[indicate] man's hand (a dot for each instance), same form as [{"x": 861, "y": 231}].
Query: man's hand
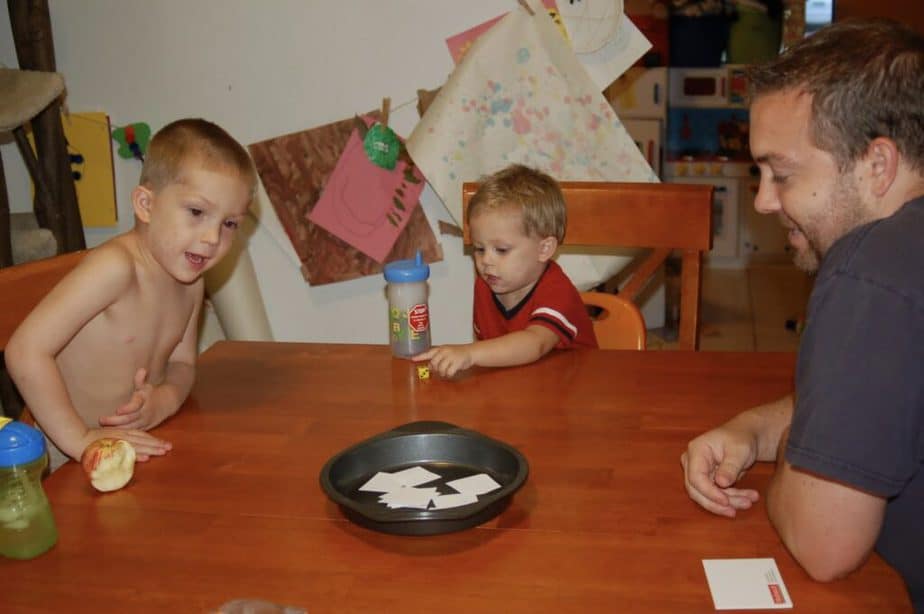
[
  {"x": 447, "y": 360},
  {"x": 713, "y": 463}
]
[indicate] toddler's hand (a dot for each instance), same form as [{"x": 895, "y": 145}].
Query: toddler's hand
[
  {"x": 136, "y": 413},
  {"x": 447, "y": 360}
]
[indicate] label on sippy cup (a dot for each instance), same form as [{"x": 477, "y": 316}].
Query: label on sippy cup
[
  {"x": 410, "y": 330},
  {"x": 418, "y": 318}
]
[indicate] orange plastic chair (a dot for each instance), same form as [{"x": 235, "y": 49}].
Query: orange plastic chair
[
  {"x": 663, "y": 217},
  {"x": 618, "y": 323},
  {"x": 22, "y": 286}
]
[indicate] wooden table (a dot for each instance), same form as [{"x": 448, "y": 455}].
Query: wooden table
[{"x": 602, "y": 524}]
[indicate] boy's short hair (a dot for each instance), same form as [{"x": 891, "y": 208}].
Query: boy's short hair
[
  {"x": 537, "y": 195},
  {"x": 193, "y": 140},
  {"x": 866, "y": 79}
]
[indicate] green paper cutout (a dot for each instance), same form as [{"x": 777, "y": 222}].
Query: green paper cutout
[
  {"x": 138, "y": 146},
  {"x": 382, "y": 146}
]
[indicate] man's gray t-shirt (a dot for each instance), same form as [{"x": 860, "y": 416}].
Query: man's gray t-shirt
[{"x": 859, "y": 413}]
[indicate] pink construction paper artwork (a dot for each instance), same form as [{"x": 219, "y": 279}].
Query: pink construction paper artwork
[
  {"x": 366, "y": 205},
  {"x": 459, "y": 43}
]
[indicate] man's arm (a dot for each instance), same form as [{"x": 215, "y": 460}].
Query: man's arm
[
  {"x": 830, "y": 528},
  {"x": 716, "y": 460}
]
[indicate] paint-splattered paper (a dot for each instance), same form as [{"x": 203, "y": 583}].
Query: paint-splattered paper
[
  {"x": 294, "y": 168},
  {"x": 460, "y": 43},
  {"x": 364, "y": 204},
  {"x": 605, "y": 41},
  {"x": 521, "y": 95}
]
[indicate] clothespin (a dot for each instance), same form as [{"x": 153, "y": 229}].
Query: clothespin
[
  {"x": 386, "y": 105},
  {"x": 526, "y": 6}
]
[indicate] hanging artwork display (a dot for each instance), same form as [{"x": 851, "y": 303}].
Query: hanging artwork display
[
  {"x": 295, "y": 170},
  {"x": 605, "y": 42},
  {"x": 459, "y": 43},
  {"x": 89, "y": 152},
  {"x": 521, "y": 95},
  {"x": 371, "y": 194}
]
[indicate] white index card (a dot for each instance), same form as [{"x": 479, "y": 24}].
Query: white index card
[
  {"x": 477, "y": 484},
  {"x": 746, "y": 584}
]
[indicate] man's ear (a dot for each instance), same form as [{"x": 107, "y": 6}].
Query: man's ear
[
  {"x": 142, "y": 203},
  {"x": 547, "y": 247},
  {"x": 882, "y": 160}
]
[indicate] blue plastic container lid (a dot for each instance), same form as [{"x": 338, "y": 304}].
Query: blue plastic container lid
[
  {"x": 413, "y": 269},
  {"x": 19, "y": 443}
]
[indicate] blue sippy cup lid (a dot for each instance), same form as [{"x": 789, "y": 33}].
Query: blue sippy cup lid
[
  {"x": 413, "y": 269},
  {"x": 19, "y": 443}
]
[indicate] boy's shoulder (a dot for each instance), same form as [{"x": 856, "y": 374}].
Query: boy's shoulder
[
  {"x": 112, "y": 261},
  {"x": 554, "y": 273}
]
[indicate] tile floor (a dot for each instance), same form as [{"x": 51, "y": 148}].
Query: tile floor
[{"x": 746, "y": 310}]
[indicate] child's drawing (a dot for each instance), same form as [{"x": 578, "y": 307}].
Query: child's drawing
[
  {"x": 521, "y": 95},
  {"x": 365, "y": 204}
]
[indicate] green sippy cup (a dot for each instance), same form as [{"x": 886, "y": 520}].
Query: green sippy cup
[{"x": 27, "y": 527}]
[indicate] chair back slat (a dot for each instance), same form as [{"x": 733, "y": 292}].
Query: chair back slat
[{"x": 22, "y": 286}]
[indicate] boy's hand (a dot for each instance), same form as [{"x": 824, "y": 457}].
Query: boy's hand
[
  {"x": 137, "y": 413},
  {"x": 145, "y": 444},
  {"x": 447, "y": 360}
]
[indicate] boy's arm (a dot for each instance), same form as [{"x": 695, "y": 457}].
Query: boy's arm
[
  {"x": 181, "y": 366},
  {"x": 101, "y": 277},
  {"x": 517, "y": 348},
  {"x": 152, "y": 404}
]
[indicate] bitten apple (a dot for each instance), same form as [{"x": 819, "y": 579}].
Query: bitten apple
[{"x": 109, "y": 463}]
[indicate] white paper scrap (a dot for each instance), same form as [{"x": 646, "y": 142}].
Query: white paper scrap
[
  {"x": 415, "y": 476},
  {"x": 477, "y": 484},
  {"x": 381, "y": 482},
  {"x": 417, "y": 498},
  {"x": 746, "y": 584},
  {"x": 443, "y": 502}
]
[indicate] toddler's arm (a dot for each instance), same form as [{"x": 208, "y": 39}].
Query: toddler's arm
[{"x": 517, "y": 348}]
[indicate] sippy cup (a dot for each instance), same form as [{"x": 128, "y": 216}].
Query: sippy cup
[
  {"x": 408, "y": 314},
  {"x": 27, "y": 527}
]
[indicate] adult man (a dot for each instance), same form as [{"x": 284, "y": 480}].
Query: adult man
[{"x": 837, "y": 129}]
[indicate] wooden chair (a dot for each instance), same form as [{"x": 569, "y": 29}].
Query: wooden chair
[
  {"x": 22, "y": 286},
  {"x": 618, "y": 323},
  {"x": 661, "y": 216}
]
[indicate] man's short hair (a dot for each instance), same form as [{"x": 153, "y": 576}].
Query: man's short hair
[
  {"x": 198, "y": 141},
  {"x": 533, "y": 192},
  {"x": 866, "y": 79}
]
